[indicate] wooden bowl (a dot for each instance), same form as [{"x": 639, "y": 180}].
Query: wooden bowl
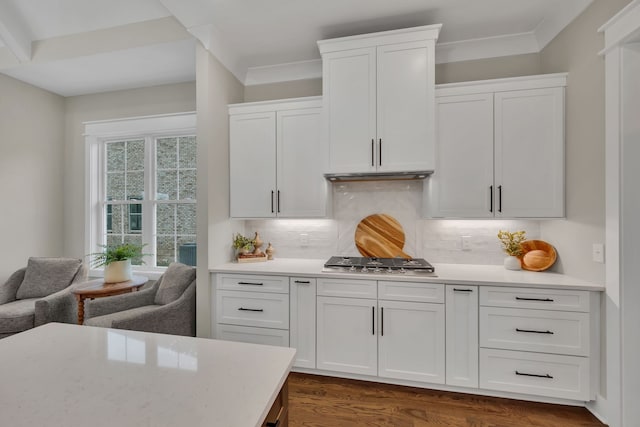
[{"x": 538, "y": 255}]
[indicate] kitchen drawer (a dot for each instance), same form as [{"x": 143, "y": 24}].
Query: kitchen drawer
[
  {"x": 411, "y": 291},
  {"x": 265, "y": 336},
  {"x": 544, "y": 299},
  {"x": 347, "y": 288},
  {"x": 545, "y": 331},
  {"x": 262, "y": 309},
  {"x": 539, "y": 374},
  {"x": 254, "y": 283}
]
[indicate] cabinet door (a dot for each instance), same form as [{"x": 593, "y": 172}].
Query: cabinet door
[
  {"x": 405, "y": 96},
  {"x": 252, "y": 154},
  {"x": 462, "y": 185},
  {"x": 529, "y": 150},
  {"x": 302, "y": 322},
  {"x": 411, "y": 342},
  {"x": 301, "y": 186},
  {"x": 349, "y": 89},
  {"x": 346, "y": 335},
  {"x": 462, "y": 335}
]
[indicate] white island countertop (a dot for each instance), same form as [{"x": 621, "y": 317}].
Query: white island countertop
[
  {"x": 63, "y": 375},
  {"x": 463, "y": 274}
]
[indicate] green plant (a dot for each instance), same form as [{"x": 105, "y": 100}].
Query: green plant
[
  {"x": 511, "y": 241},
  {"x": 241, "y": 242},
  {"x": 120, "y": 252}
]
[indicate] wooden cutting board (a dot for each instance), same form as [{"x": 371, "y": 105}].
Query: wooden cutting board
[{"x": 380, "y": 235}]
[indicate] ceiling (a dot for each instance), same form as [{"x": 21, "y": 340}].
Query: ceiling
[{"x": 74, "y": 47}]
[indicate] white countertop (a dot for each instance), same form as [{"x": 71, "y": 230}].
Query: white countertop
[
  {"x": 495, "y": 275},
  {"x": 63, "y": 375}
]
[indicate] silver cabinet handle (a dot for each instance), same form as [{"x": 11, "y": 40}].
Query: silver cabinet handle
[
  {"x": 251, "y": 309},
  {"x": 251, "y": 283},
  {"x": 534, "y": 299},
  {"x": 462, "y": 290},
  {"x": 304, "y": 282}
]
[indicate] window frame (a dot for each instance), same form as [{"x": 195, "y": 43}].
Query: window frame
[{"x": 97, "y": 134}]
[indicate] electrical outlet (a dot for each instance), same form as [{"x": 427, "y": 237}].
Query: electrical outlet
[
  {"x": 304, "y": 239},
  {"x": 598, "y": 253},
  {"x": 466, "y": 243}
]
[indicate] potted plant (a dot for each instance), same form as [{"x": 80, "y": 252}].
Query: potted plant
[
  {"x": 242, "y": 244},
  {"x": 511, "y": 246},
  {"x": 116, "y": 261}
]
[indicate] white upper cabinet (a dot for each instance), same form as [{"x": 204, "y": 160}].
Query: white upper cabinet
[
  {"x": 277, "y": 159},
  {"x": 529, "y": 153},
  {"x": 378, "y": 96},
  {"x": 252, "y": 152},
  {"x": 462, "y": 184},
  {"x": 500, "y": 149}
]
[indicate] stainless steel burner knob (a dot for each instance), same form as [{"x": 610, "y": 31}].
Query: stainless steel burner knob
[
  {"x": 353, "y": 268},
  {"x": 364, "y": 269}
]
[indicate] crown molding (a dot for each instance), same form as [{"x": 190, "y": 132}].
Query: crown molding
[
  {"x": 301, "y": 70},
  {"x": 488, "y": 47},
  {"x": 13, "y": 32},
  {"x": 212, "y": 40},
  {"x": 553, "y": 24},
  {"x": 622, "y": 27}
]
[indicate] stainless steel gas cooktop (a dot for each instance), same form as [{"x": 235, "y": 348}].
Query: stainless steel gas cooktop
[{"x": 379, "y": 265}]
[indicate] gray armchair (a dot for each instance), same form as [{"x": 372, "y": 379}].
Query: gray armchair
[
  {"x": 40, "y": 293},
  {"x": 168, "y": 306}
]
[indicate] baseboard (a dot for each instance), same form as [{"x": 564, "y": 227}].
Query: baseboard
[{"x": 598, "y": 408}]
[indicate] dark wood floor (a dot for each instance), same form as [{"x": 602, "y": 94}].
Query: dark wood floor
[{"x": 323, "y": 401}]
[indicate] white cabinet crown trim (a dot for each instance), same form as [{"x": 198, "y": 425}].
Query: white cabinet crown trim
[
  {"x": 275, "y": 105},
  {"x": 540, "y": 81},
  {"x": 426, "y": 32}
]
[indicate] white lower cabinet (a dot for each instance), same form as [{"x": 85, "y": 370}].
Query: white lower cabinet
[
  {"x": 302, "y": 321},
  {"x": 411, "y": 341},
  {"x": 549, "y": 375},
  {"x": 346, "y": 335},
  {"x": 462, "y": 335},
  {"x": 388, "y": 338},
  {"x": 538, "y": 341},
  {"x": 251, "y": 308},
  {"x": 277, "y": 337},
  {"x": 530, "y": 341}
]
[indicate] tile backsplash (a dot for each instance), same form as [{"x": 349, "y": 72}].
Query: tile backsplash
[{"x": 438, "y": 241}]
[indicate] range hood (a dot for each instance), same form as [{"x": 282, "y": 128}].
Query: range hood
[{"x": 377, "y": 176}]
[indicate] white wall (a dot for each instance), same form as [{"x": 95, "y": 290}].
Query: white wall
[
  {"x": 31, "y": 174},
  {"x": 576, "y": 50},
  {"x": 216, "y": 87},
  {"x": 173, "y": 98}
]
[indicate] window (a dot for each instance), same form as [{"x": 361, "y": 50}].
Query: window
[{"x": 143, "y": 187}]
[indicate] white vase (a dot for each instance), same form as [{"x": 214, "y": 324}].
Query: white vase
[
  {"x": 117, "y": 271},
  {"x": 512, "y": 263}
]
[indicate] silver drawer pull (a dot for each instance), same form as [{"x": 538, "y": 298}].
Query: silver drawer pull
[
  {"x": 251, "y": 283},
  {"x": 533, "y": 331},
  {"x": 462, "y": 290},
  {"x": 305, "y": 282},
  {"x": 250, "y": 309},
  {"x": 524, "y": 374},
  {"x": 534, "y": 299}
]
